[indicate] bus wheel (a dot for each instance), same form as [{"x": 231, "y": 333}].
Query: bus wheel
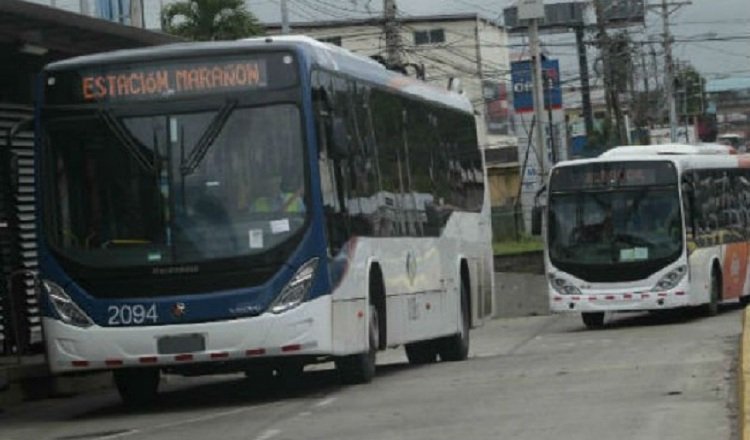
[
  {"x": 137, "y": 386},
  {"x": 712, "y": 308},
  {"x": 360, "y": 368},
  {"x": 420, "y": 353},
  {"x": 456, "y": 347},
  {"x": 593, "y": 320}
]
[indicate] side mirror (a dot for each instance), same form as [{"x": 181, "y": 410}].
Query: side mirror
[
  {"x": 338, "y": 138},
  {"x": 536, "y": 220},
  {"x": 22, "y": 125}
]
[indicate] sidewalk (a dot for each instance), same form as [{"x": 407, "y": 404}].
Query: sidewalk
[{"x": 28, "y": 378}]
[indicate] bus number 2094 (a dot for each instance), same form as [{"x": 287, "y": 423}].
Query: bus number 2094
[{"x": 135, "y": 314}]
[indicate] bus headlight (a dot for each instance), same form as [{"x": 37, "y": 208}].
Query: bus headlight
[
  {"x": 563, "y": 287},
  {"x": 296, "y": 289},
  {"x": 671, "y": 279},
  {"x": 65, "y": 308}
]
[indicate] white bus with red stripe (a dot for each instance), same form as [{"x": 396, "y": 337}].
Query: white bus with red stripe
[{"x": 648, "y": 228}]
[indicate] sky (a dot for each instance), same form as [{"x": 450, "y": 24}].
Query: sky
[{"x": 727, "y": 20}]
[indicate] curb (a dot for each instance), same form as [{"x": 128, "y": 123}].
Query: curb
[{"x": 744, "y": 378}]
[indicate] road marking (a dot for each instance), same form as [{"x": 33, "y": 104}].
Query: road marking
[
  {"x": 118, "y": 435},
  {"x": 267, "y": 434},
  {"x": 325, "y": 402}
]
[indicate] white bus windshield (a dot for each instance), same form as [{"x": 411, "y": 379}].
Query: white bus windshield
[{"x": 614, "y": 223}]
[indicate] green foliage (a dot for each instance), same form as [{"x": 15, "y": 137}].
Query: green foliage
[
  {"x": 209, "y": 20},
  {"x": 524, "y": 244}
]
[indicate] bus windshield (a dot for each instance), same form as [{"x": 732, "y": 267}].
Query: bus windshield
[
  {"x": 614, "y": 223},
  {"x": 172, "y": 188}
]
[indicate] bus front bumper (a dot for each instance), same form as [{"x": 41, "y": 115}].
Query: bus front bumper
[
  {"x": 619, "y": 302},
  {"x": 302, "y": 331}
]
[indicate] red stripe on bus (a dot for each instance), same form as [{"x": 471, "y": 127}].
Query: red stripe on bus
[
  {"x": 221, "y": 355},
  {"x": 255, "y": 352},
  {"x": 609, "y": 297},
  {"x": 557, "y": 298},
  {"x": 627, "y": 296},
  {"x": 148, "y": 359},
  {"x": 293, "y": 347},
  {"x": 576, "y": 298},
  {"x": 592, "y": 298},
  {"x": 662, "y": 295},
  {"x": 183, "y": 357},
  {"x": 645, "y": 295},
  {"x": 679, "y": 293},
  {"x": 113, "y": 362},
  {"x": 80, "y": 363}
]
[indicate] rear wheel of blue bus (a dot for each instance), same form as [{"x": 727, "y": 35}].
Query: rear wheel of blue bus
[
  {"x": 456, "y": 347},
  {"x": 137, "y": 386},
  {"x": 360, "y": 368}
]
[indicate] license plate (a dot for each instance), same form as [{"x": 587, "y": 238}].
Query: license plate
[{"x": 181, "y": 344}]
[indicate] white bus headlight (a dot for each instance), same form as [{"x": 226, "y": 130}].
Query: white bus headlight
[
  {"x": 563, "y": 287},
  {"x": 671, "y": 279},
  {"x": 65, "y": 308},
  {"x": 297, "y": 288}
]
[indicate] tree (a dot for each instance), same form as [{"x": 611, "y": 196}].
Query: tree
[{"x": 208, "y": 20}]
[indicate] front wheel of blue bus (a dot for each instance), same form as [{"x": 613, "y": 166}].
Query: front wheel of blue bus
[
  {"x": 137, "y": 386},
  {"x": 360, "y": 368}
]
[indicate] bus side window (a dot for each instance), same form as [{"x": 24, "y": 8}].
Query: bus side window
[{"x": 688, "y": 203}]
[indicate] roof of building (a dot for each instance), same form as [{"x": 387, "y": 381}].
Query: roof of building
[
  {"x": 378, "y": 21},
  {"x": 66, "y": 32},
  {"x": 727, "y": 84}
]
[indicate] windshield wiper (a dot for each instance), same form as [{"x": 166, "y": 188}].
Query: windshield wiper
[
  {"x": 127, "y": 140},
  {"x": 207, "y": 138}
]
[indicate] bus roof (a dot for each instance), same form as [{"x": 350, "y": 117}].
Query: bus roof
[
  {"x": 668, "y": 149},
  {"x": 324, "y": 55},
  {"x": 683, "y": 156}
]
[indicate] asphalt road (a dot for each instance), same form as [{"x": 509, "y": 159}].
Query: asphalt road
[{"x": 642, "y": 377}]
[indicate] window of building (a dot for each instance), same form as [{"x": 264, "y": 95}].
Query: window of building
[{"x": 431, "y": 36}]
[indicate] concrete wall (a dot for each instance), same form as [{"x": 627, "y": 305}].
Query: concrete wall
[
  {"x": 520, "y": 285},
  {"x": 520, "y": 294}
]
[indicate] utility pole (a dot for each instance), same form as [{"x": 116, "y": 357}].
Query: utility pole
[
  {"x": 669, "y": 67},
  {"x": 285, "y": 29},
  {"x": 536, "y": 65},
  {"x": 583, "y": 67},
  {"x": 669, "y": 62},
  {"x": 392, "y": 36},
  {"x": 610, "y": 91}
]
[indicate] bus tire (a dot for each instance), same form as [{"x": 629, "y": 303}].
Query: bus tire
[
  {"x": 456, "y": 347},
  {"x": 137, "y": 386},
  {"x": 712, "y": 308},
  {"x": 593, "y": 320},
  {"x": 360, "y": 368},
  {"x": 420, "y": 353}
]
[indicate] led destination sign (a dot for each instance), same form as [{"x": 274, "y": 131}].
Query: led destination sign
[
  {"x": 150, "y": 80},
  {"x": 174, "y": 80},
  {"x": 612, "y": 174}
]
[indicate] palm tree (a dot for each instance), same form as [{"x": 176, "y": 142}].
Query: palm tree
[{"x": 206, "y": 20}]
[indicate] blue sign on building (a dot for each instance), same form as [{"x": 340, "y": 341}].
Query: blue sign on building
[{"x": 523, "y": 85}]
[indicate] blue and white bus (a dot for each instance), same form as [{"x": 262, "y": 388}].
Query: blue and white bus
[{"x": 155, "y": 257}]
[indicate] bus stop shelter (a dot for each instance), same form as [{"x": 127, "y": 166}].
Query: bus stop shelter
[{"x": 31, "y": 36}]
